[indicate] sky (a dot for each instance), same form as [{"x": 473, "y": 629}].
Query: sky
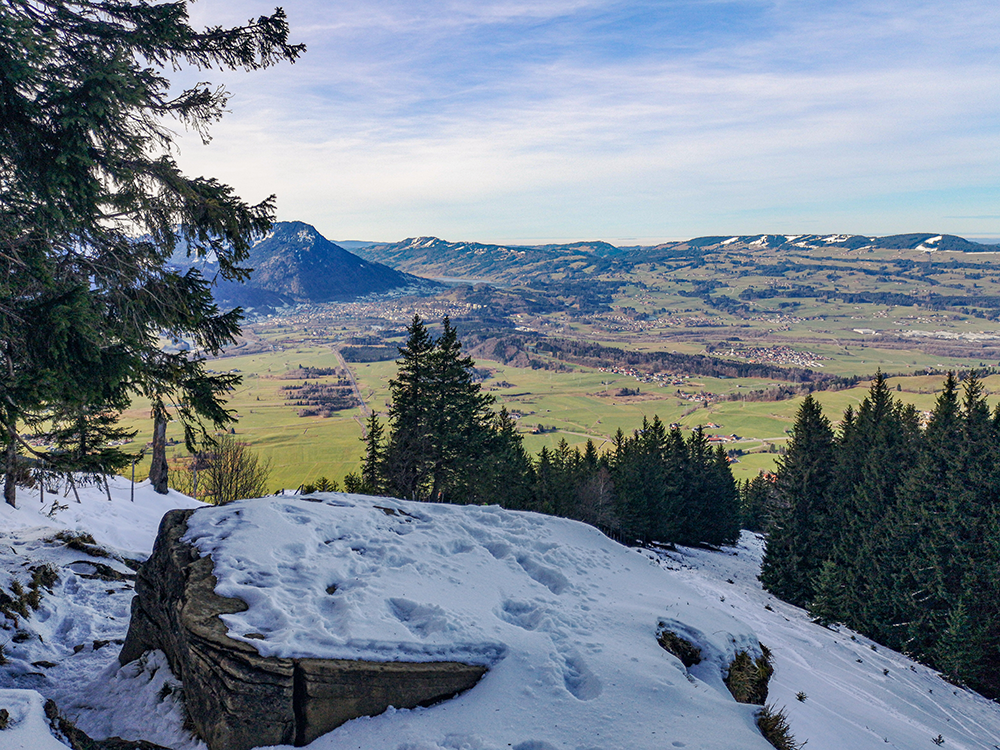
[{"x": 630, "y": 122}]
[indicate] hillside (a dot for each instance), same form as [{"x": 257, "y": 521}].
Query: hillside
[
  {"x": 296, "y": 260},
  {"x": 295, "y": 264},
  {"x": 439, "y": 258},
  {"x": 570, "y": 619}
]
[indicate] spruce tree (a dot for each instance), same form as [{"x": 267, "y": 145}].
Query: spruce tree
[
  {"x": 562, "y": 489},
  {"x": 956, "y": 561},
  {"x": 373, "y": 478},
  {"x": 679, "y": 484},
  {"x": 827, "y": 604},
  {"x": 755, "y": 500},
  {"x": 709, "y": 510},
  {"x": 408, "y": 454},
  {"x": 461, "y": 420},
  {"x": 637, "y": 473},
  {"x": 440, "y": 420},
  {"x": 915, "y": 560},
  {"x": 927, "y": 525},
  {"x": 876, "y": 451},
  {"x": 504, "y": 474},
  {"x": 85, "y": 441},
  {"x": 695, "y": 512},
  {"x": 724, "y": 509},
  {"x": 799, "y": 535},
  {"x": 982, "y": 593},
  {"x": 669, "y": 489},
  {"x": 659, "y": 494},
  {"x": 958, "y": 650},
  {"x": 93, "y": 205},
  {"x": 546, "y": 484}
]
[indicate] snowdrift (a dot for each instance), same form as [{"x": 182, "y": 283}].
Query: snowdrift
[{"x": 565, "y": 620}]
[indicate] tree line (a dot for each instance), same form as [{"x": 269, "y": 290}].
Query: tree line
[
  {"x": 893, "y": 528},
  {"x": 590, "y": 354},
  {"x": 444, "y": 442}
]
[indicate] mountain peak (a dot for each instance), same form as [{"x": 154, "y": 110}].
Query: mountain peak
[{"x": 296, "y": 264}]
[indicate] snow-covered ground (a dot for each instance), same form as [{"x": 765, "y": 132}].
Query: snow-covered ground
[
  {"x": 857, "y": 694},
  {"x": 565, "y": 618}
]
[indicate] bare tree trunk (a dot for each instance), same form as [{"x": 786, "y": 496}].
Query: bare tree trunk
[
  {"x": 10, "y": 476},
  {"x": 69, "y": 478},
  {"x": 158, "y": 468}
]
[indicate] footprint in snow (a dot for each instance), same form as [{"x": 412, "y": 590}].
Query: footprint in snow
[
  {"x": 420, "y": 619},
  {"x": 579, "y": 680},
  {"x": 498, "y": 549},
  {"x": 295, "y": 515},
  {"x": 524, "y": 615},
  {"x": 551, "y": 578}
]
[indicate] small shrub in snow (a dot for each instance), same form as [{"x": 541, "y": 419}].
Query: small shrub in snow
[
  {"x": 748, "y": 677},
  {"x": 15, "y": 605},
  {"x": 21, "y": 601},
  {"x": 43, "y": 576},
  {"x": 81, "y": 542},
  {"x": 801, "y": 697},
  {"x": 774, "y": 726}
]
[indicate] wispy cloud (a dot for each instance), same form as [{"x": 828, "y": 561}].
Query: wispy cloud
[{"x": 493, "y": 120}]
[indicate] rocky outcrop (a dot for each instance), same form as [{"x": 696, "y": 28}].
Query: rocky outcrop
[{"x": 238, "y": 699}]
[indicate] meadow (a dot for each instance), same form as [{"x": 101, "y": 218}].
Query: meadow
[
  {"x": 747, "y": 305},
  {"x": 550, "y": 406}
]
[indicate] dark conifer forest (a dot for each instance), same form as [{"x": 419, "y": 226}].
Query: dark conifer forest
[
  {"x": 444, "y": 443},
  {"x": 893, "y": 528}
]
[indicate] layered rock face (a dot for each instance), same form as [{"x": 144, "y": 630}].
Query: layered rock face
[{"x": 238, "y": 699}]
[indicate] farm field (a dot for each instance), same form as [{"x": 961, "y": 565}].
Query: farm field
[{"x": 551, "y": 406}]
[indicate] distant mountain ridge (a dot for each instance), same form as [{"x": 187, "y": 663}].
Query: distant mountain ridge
[
  {"x": 437, "y": 257},
  {"x": 295, "y": 264},
  {"x": 920, "y": 241},
  {"x": 432, "y": 256}
]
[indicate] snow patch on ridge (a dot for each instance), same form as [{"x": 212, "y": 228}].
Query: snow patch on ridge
[{"x": 930, "y": 244}]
